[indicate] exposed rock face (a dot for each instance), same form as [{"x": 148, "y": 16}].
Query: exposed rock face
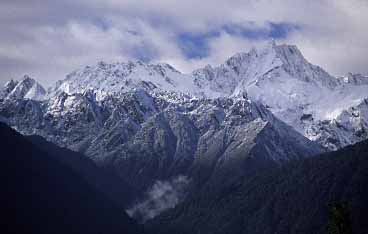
[
  {"x": 8, "y": 87},
  {"x": 149, "y": 121},
  {"x": 27, "y": 88},
  {"x": 278, "y": 76},
  {"x": 149, "y": 136}
]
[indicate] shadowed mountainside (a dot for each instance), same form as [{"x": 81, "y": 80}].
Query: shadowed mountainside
[
  {"x": 291, "y": 199},
  {"x": 103, "y": 178},
  {"x": 43, "y": 195}
]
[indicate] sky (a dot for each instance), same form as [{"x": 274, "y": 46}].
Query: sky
[{"x": 47, "y": 39}]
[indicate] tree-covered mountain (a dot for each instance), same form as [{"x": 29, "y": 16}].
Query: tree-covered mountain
[
  {"x": 294, "y": 198},
  {"x": 43, "y": 195},
  {"x": 103, "y": 178}
]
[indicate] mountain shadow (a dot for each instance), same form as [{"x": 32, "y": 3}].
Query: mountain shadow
[
  {"x": 294, "y": 198},
  {"x": 43, "y": 195},
  {"x": 103, "y": 178}
]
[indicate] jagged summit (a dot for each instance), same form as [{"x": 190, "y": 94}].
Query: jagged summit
[
  {"x": 150, "y": 122},
  {"x": 147, "y": 136},
  {"x": 270, "y": 62},
  {"x": 26, "y": 88},
  {"x": 8, "y": 87},
  {"x": 278, "y": 76},
  {"x": 124, "y": 77},
  {"x": 231, "y": 78}
]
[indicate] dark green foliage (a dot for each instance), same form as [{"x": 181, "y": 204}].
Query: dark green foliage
[
  {"x": 41, "y": 195},
  {"x": 102, "y": 177},
  {"x": 339, "y": 222},
  {"x": 292, "y": 199}
]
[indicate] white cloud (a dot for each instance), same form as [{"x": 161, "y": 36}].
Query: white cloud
[
  {"x": 50, "y": 40},
  {"x": 161, "y": 196}
]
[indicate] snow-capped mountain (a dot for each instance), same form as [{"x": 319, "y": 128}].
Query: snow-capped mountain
[
  {"x": 297, "y": 92},
  {"x": 148, "y": 136},
  {"x": 106, "y": 109},
  {"x": 150, "y": 122},
  {"x": 245, "y": 70},
  {"x": 278, "y": 76},
  {"x": 125, "y": 77},
  {"x": 8, "y": 87},
  {"x": 26, "y": 88}
]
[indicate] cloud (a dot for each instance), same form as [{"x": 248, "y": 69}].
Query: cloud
[
  {"x": 48, "y": 39},
  {"x": 161, "y": 196}
]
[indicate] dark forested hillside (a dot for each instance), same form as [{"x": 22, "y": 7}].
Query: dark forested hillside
[
  {"x": 39, "y": 194},
  {"x": 292, "y": 199},
  {"x": 102, "y": 177}
]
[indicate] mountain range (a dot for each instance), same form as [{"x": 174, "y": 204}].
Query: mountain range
[
  {"x": 331, "y": 111},
  {"x": 146, "y": 123}
]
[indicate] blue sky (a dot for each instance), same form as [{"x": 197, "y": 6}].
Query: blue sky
[
  {"x": 48, "y": 39},
  {"x": 196, "y": 45}
]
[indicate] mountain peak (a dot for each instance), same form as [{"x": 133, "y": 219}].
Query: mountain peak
[
  {"x": 27, "y": 88},
  {"x": 27, "y": 78},
  {"x": 7, "y": 88},
  {"x": 10, "y": 85},
  {"x": 124, "y": 77}
]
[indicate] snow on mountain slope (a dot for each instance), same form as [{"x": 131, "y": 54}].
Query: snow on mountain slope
[
  {"x": 147, "y": 136},
  {"x": 349, "y": 125},
  {"x": 8, "y": 87},
  {"x": 150, "y": 122},
  {"x": 124, "y": 77},
  {"x": 355, "y": 79},
  {"x": 297, "y": 92},
  {"x": 246, "y": 70},
  {"x": 26, "y": 88},
  {"x": 278, "y": 76},
  {"x": 36, "y": 92}
]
